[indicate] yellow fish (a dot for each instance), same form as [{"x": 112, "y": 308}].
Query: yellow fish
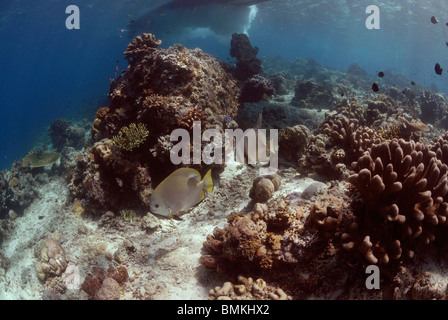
[{"x": 180, "y": 191}]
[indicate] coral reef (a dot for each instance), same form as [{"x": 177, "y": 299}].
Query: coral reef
[
  {"x": 402, "y": 186},
  {"x": 162, "y": 90},
  {"x": 103, "y": 172},
  {"x": 58, "y": 133},
  {"x": 271, "y": 235},
  {"x": 350, "y": 136},
  {"x": 312, "y": 95},
  {"x": 256, "y": 88},
  {"x": 356, "y": 70},
  {"x": 380, "y": 109},
  {"x": 325, "y": 215},
  {"x": 351, "y": 109},
  {"x": 343, "y": 141},
  {"x": 63, "y": 134},
  {"x": 18, "y": 188},
  {"x": 433, "y": 106}
]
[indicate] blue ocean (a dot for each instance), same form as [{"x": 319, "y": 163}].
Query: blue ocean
[{"x": 352, "y": 98}]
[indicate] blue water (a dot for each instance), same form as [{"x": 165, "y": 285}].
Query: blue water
[{"x": 50, "y": 72}]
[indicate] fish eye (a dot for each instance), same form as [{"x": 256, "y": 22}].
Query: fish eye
[{"x": 156, "y": 205}]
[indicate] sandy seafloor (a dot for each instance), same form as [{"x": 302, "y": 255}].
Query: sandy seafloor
[{"x": 165, "y": 263}]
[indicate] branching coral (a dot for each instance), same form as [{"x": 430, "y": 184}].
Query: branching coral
[
  {"x": 194, "y": 114},
  {"x": 347, "y": 133},
  {"x": 403, "y": 186},
  {"x": 131, "y": 137},
  {"x": 268, "y": 237},
  {"x": 351, "y": 109},
  {"x": 141, "y": 46}
]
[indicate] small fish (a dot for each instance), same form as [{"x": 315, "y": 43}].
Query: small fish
[
  {"x": 116, "y": 68},
  {"x": 446, "y": 24},
  {"x": 446, "y": 42},
  {"x": 381, "y": 74},
  {"x": 434, "y": 20},
  {"x": 375, "y": 87},
  {"x": 132, "y": 21},
  {"x": 179, "y": 192},
  {"x": 413, "y": 83},
  {"x": 5, "y": 157},
  {"x": 438, "y": 69}
]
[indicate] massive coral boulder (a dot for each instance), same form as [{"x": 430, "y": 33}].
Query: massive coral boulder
[
  {"x": 51, "y": 259},
  {"x": 403, "y": 187},
  {"x": 160, "y": 91}
]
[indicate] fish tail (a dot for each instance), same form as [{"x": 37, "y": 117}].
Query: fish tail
[{"x": 207, "y": 181}]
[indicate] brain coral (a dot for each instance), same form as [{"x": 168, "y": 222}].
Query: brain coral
[{"x": 403, "y": 186}]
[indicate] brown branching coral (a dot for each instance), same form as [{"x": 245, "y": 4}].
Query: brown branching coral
[
  {"x": 194, "y": 114},
  {"x": 403, "y": 187},
  {"x": 380, "y": 108},
  {"x": 347, "y": 133},
  {"x": 260, "y": 240},
  {"x": 140, "y": 46},
  {"x": 351, "y": 109}
]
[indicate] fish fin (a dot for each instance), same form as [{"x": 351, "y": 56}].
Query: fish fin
[
  {"x": 202, "y": 195},
  {"x": 207, "y": 182}
]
